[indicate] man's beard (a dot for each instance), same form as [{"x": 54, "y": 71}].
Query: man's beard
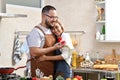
[{"x": 48, "y": 25}]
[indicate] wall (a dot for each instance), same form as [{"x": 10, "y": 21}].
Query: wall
[
  {"x": 75, "y": 14},
  {"x": 8, "y": 26},
  {"x": 81, "y": 15}
]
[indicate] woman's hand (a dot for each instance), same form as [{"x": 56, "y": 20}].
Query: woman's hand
[{"x": 59, "y": 45}]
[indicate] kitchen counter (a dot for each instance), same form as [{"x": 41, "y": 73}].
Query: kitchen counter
[{"x": 88, "y": 71}]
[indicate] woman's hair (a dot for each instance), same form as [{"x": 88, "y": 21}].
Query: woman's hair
[
  {"x": 62, "y": 27},
  {"x": 58, "y": 22}
]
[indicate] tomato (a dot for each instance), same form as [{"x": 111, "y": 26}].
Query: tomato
[
  {"x": 78, "y": 77},
  {"x": 63, "y": 42},
  {"x": 59, "y": 39}
]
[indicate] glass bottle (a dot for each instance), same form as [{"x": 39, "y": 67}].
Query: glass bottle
[
  {"x": 98, "y": 35},
  {"x": 103, "y": 29},
  {"x": 103, "y": 32},
  {"x": 87, "y": 58},
  {"x": 74, "y": 59}
]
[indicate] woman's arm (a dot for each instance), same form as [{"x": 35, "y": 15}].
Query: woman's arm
[
  {"x": 36, "y": 51},
  {"x": 52, "y": 58},
  {"x": 65, "y": 54}
]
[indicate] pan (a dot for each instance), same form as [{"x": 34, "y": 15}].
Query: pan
[{"x": 9, "y": 70}]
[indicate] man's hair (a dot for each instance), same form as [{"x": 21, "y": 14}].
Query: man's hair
[{"x": 47, "y": 8}]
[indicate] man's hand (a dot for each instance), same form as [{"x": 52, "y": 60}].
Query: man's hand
[{"x": 41, "y": 58}]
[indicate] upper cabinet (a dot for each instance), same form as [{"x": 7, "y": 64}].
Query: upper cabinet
[
  {"x": 3, "y": 13},
  {"x": 29, "y": 3},
  {"x": 107, "y": 20},
  {"x": 113, "y": 20}
]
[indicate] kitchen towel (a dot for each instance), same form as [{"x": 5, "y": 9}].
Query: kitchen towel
[{"x": 16, "y": 50}]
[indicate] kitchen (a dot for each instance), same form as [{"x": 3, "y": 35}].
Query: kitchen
[{"x": 83, "y": 18}]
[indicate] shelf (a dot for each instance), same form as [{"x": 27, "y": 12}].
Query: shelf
[
  {"x": 90, "y": 70},
  {"x": 81, "y": 32},
  {"x": 100, "y": 2},
  {"x": 103, "y": 21},
  {"x": 117, "y": 41},
  {"x": 7, "y": 15},
  {"x": 22, "y": 32}
]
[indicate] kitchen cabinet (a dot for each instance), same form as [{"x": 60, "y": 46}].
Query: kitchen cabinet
[
  {"x": 110, "y": 18},
  {"x": 92, "y": 74},
  {"x": 3, "y": 13},
  {"x": 29, "y": 3}
]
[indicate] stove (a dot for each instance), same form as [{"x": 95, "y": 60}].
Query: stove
[{"x": 12, "y": 76}]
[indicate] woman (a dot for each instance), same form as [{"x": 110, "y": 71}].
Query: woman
[{"x": 63, "y": 56}]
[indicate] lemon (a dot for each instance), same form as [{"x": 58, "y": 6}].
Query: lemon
[{"x": 75, "y": 79}]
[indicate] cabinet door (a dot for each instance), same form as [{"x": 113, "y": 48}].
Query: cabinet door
[{"x": 112, "y": 20}]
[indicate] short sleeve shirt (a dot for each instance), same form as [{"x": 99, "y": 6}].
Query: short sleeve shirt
[{"x": 36, "y": 37}]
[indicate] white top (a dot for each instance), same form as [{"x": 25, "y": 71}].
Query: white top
[{"x": 66, "y": 51}]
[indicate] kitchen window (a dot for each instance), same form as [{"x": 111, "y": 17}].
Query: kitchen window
[{"x": 30, "y": 3}]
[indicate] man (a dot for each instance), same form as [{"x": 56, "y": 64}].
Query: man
[{"x": 41, "y": 41}]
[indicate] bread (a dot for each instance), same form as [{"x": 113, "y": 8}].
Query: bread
[{"x": 106, "y": 66}]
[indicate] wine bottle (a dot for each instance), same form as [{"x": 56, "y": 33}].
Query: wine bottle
[{"x": 103, "y": 30}]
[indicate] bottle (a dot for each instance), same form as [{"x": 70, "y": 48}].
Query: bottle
[
  {"x": 103, "y": 32},
  {"x": 103, "y": 29},
  {"x": 74, "y": 59},
  {"x": 81, "y": 59},
  {"x": 87, "y": 58},
  {"x": 98, "y": 35}
]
